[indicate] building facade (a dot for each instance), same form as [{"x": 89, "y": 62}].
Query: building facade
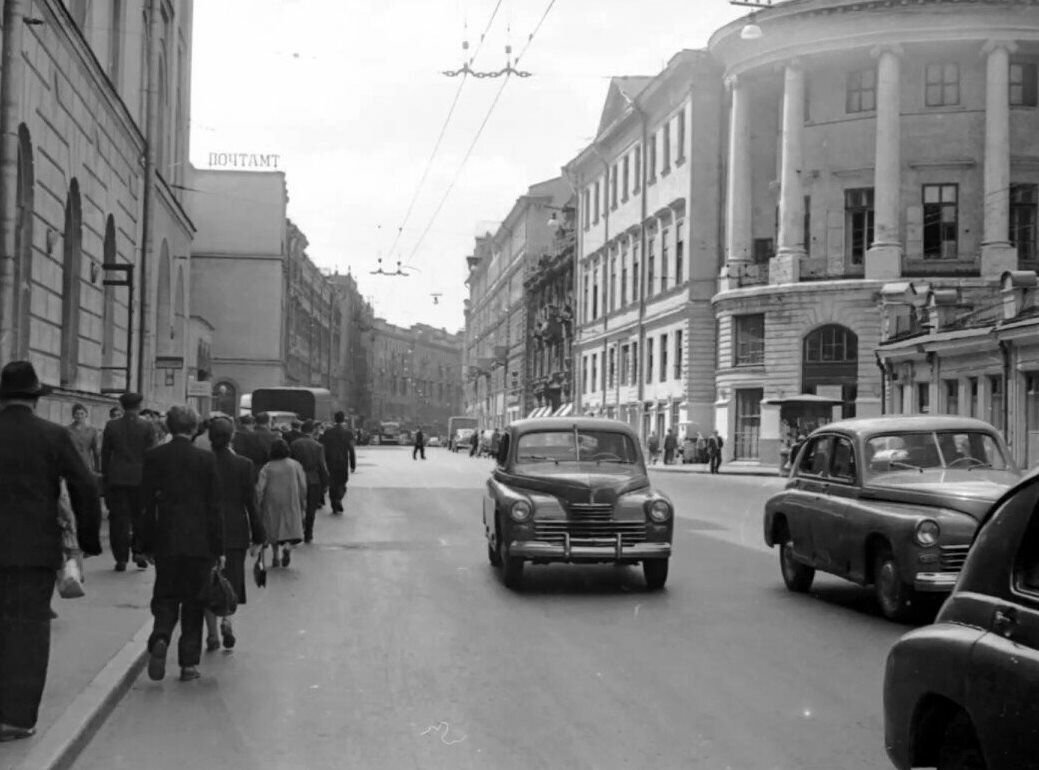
[
  {"x": 96, "y": 239},
  {"x": 354, "y": 379},
  {"x": 497, "y": 386},
  {"x": 868, "y": 143},
  {"x": 647, "y": 249}
]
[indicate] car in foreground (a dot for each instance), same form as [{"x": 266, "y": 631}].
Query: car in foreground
[
  {"x": 574, "y": 491},
  {"x": 891, "y": 502},
  {"x": 963, "y": 692}
]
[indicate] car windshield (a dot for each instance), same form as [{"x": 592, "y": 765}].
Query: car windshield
[
  {"x": 926, "y": 450},
  {"x": 601, "y": 446}
]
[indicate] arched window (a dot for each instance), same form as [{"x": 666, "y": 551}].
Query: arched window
[
  {"x": 163, "y": 302},
  {"x": 26, "y": 186},
  {"x": 180, "y": 314},
  {"x": 830, "y": 363},
  {"x": 225, "y": 398},
  {"x": 108, "y": 320},
  {"x": 71, "y": 286},
  {"x": 831, "y": 344}
]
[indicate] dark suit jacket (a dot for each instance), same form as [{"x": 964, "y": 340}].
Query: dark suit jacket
[
  {"x": 180, "y": 494},
  {"x": 420, "y": 439},
  {"x": 35, "y": 455},
  {"x": 311, "y": 455},
  {"x": 122, "y": 450},
  {"x": 339, "y": 451},
  {"x": 293, "y": 435},
  {"x": 247, "y": 444},
  {"x": 238, "y": 500}
]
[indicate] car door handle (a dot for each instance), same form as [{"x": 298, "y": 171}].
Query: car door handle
[{"x": 1003, "y": 620}]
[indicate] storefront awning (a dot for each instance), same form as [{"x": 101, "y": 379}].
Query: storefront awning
[
  {"x": 541, "y": 411},
  {"x": 565, "y": 410},
  {"x": 804, "y": 398}
]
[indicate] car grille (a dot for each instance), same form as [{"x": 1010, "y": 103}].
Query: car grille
[
  {"x": 952, "y": 557},
  {"x": 591, "y": 511},
  {"x": 553, "y": 531}
]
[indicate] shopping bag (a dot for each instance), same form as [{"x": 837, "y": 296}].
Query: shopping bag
[
  {"x": 218, "y": 595},
  {"x": 70, "y": 579},
  {"x": 260, "y": 569}
]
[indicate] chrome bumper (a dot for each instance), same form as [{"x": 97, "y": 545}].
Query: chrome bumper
[
  {"x": 935, "y": 581},
  {"x": 608, "y": 549}
]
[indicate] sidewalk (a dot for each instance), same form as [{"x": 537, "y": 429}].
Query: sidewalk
[
  {"x": 97, "y": 650},
  {"x": 734, "y": 468}
]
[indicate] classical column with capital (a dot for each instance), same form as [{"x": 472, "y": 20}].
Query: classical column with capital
[
  {"x": 738, "y": 238},
  {"x": 785, "y": 267},
  {"x": 884, "y": 256},
  {"x": 997, "y": 254}
]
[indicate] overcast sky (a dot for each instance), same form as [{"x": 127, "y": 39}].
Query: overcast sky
[{"x": 349, "y": 94}]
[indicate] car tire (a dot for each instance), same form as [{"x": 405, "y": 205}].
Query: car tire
[
  {"x": 494, "y": 551},
  {"x": 655, "y": 572},
  {"x": 960, "y": 749},
  {"x": 512, "y": 571},
  {"x": 797, "y": 576},
  {"x": 894, "y": 596}
]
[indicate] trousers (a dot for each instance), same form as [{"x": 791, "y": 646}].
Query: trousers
[
  {"x": 314, "y": 499},
  {"x": 337, "y": 488},
  {"x": 25, "y": 639},
  {"x": 175, "y": 596},
  {"x": 124, "y": 516},
  {"x": 419, "y": 449}
]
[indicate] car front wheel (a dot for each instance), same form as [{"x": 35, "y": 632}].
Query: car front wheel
[
  {"x": 960, "y": 749},
  {"x": 797, "y": 576},
  {"x": 655, "y": 572},
  {"x": 494, "y": 552},
  {"x": 894, "y": 596}
]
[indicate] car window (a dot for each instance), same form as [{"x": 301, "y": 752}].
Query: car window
[
  {"x": 926, "y": 450},
  {"x": 815, "y": 459},
  {"x": 1026, "y": 562},
  {"x": 503, "y": 449},
  {"x": 843, "y": 460},
  {"x": 568, "y": 446}
]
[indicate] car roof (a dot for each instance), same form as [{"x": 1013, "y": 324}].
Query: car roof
[
  {"x": 569, "y": 423},
  {"x": 895, "y": 423}
]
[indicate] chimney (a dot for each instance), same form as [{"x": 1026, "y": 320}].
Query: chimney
[
  {"x": 1018, "y": 290},
  {"x": 942, "y": 305}
]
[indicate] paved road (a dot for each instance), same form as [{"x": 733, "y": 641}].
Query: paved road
[{"x": 390, "y": 643}]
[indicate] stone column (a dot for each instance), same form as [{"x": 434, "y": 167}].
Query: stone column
[
  {"x": 738, "y": 238},
  {"x": 785, "y": 267},
  {"x": 884, "y": 257},
  {"x": 997, "y": 255}
]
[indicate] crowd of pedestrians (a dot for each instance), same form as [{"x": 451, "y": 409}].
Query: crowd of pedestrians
[{"x": 184, "y": 497}]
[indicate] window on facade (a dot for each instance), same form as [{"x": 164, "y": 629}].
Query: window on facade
[
  {"x": 764, "y": 250},
  {"x": 651, "y": 159},
  {"x": 664, "y": 235},
  {"x": 806, "y": 226},
  {"x": 595, "y": 290},
  {"x": 747, "y": 427},
  {"x": 952, "y": 396},
  {"x": 679, "y": 254},
  {"x": 613, "y": 186},
  {"x": 115, "y": 42},
  {"x": 635, "y": 271},
  {"x": 1022, "y": 84},
  {"x": 995, "y": 412},
  {"x": 587, "y": 287},
  {"x": 71, "y": 286},
  {"x": 637, "y": 181},
  {"x": 651, "y": 260},
  {"x": 1023, "y": 220},
  {"x": 584, "y": 373},
  {"x": 972, "y": 387},
  {"x": 861, "y": 92},
  {"x": 595, "y": 371},
  {"x": 595, "y": 205},
  {"x": 586, "y": 202},
  {"x": 613, "y": 282},
  {"x": 831, "y": 344},
  {"x": 680, "y": 135},
  {"x": 634, "y": 363},
  {"x": 941, "y": 221},
  {"x": 923, "y": 397},
  {"x": 624, "y": 274},
  {"x": 626, "y": 178},
  {"x": 749, "y": 339},
  {"x": 942, "y": 85},
  {"x": 858, "y": 224},
  {"x": 625, "y": 365},
  {"x": 612, "y": 372},
  {"x": 666, "y": 147},
  {"x": 663, "y": 358},
  {"x": 678, "y": 355}
]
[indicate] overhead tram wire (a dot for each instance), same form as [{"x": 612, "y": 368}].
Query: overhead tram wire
[
  {"x": 476, "y": 138},
  {"x": 443, "y": 128}
]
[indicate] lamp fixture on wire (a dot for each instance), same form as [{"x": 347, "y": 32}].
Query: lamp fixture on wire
[{"x": 751, "y": 31}]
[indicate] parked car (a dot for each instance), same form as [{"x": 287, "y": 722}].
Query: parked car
[
  {"x": 433, "y": 441},
  {"x": 575, "y": 491},
  {"x": 891, "y": 502},
  {"x": 463, "y": 439},
  {"x": 964, "y": 692}
]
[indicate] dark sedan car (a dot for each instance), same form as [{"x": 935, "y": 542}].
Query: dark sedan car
[
  {"x": 891, "y": 502},
  {"x": 963, "y": 693},
  {"x": 576, "y": 491}
]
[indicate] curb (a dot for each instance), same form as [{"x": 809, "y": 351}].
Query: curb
[{"x": 58, "y": 748}]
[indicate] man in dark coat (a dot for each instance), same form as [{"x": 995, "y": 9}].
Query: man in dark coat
[
  {"x": 122, "y": 458},
  {"x": 670, "y": 445},
  {"x": 244, "y": 442},
  {"x": 310, "y": 453},
  {"x": 34, "y": 456},
  {"x": 295, "y": 432},
  {"x": 265, "y": 436},
  {"x": 341, "y": 459},
  {"x": 182, "y": 530},
  {"x": 420, "y": 445}
]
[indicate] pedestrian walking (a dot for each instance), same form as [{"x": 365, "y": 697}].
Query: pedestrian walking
[
  {"x": 281, "y": 492},
  {"x": 115, "y": 413},
  {"x": 701, "y": 447},
  {"x": 653, "y": 445},
  {"x": 309, "y": 453},
  {"x": 241, "y": 518},
  {"x": 86, "y": 438},
  {"x": 295, "y": 432},
  {"x": 341, "y": 459},
  {"x": 182, "y": 532},
  {"x": 265, "y": 436},
  {"x": 475, "y": 443},
  {"x": 420, "y": 445},
  {"x": 714, "y": 451},
  {"x": 35, "y": 455},
  {"x": 670, "y": 445},
  {"x": 122, "y": 461}
]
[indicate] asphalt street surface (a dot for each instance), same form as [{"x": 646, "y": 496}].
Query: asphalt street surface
[{"x": 391, "y": 643}]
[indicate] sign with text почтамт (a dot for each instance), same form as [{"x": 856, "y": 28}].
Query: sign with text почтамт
[{"x": 244, "y": 160}]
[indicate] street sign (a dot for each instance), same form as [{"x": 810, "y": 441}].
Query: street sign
[
  {"x": 199, "y": 389},
  {"x": 169, "y": 362}
]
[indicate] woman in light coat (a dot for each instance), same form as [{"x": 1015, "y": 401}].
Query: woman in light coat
[{"x": 282, "y": 495}]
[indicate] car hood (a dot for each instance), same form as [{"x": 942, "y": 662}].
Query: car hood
[
  {"x": 971, "y": 492},
  {"x": 578, "y": 482}
]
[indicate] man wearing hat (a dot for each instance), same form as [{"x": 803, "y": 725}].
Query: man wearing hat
[
  {"x": 295, "y": 433},
  {"x": 341, "y": 458},
  {"x": 311, "y": 455},
  {"x": 122, "y": 459},
  {"x": 34, "y": 456}
]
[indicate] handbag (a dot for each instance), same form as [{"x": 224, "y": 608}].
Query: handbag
[
  {"x": 70, "y": 579},
  {"x": 260, "y": 569},
  {"x": 218, "y": 595},
  {"x": 70, "y": 576}
]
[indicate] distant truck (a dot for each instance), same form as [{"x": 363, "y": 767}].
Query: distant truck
[
  {"x": 455, "y": 424},
  {"x": 306, "y": 403}
]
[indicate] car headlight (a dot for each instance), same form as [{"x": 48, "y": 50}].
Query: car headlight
[
  {"x": 659, "y": 510},
  {"x": 927, "y": 532},
  {"x": 521, "y": 510}
]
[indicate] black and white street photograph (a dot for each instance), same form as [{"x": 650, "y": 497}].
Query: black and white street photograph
[{"x": 514, "y": 384}]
